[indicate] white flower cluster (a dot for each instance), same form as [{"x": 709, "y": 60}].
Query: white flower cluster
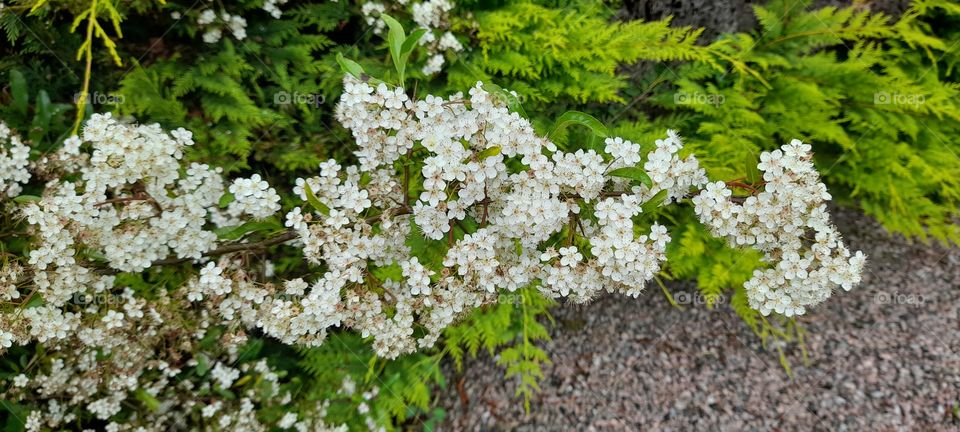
[
  {"x": 132, "y": 205},
  {"x": 237, "y": 25},
  {"x": 432, "y": 15},
  {"x": 14, "y": 158},
  {"x": 143, "y": 354},
  {"x": 788, "y": 221},
  {"x": 273, "y": 7},
  {"x": 254, "y": 197},
  {"x": 550, "y": 199},
  {"x": 10, "y": 273},
  {"x": 452, "y": 202},
  {"x": 131, "y": 231},
  {"x": 671, "y": 174}
]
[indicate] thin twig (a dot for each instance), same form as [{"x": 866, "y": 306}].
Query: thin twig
[{"x": 284, "y": 236}]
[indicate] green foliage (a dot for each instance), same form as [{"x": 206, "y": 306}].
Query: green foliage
[
  {"x": 250, "y": 97},
  {"x": 34, "y": 111},
  {"x": 876, "y": 96},
  {"x": 567, "y": 55},
  {"x": 510, "y": 329},
  {"x": 401, "y": 45},
  {"x": 523, "y": 360},
  {"x": 864, "y": 89},
  {"x": 402, "y": 387},
  {"x": 717, "y": 268},
  {"x": 95, "y": 30}
]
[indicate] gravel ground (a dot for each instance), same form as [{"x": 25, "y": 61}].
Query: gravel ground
[{"x": 885, "y": 356}]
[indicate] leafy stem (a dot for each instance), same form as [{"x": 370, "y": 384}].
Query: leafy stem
[{"x": 85, "y": 52}]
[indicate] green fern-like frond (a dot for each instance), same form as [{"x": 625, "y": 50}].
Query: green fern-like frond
[
  {"x": 859, "y": 86},
  {"x": 524, "y": 360},
  {"x": 550, "y": 54}
]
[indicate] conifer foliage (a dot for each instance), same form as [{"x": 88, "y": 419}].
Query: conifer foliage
[{"x": 274, "y": 215}]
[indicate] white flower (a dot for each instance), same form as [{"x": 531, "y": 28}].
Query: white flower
[
  {"x": 21, "y": 381},
  {"x": 224, "y": 375},
  {"x": 211, "y": 409},
  {"x": 6, "y": 339},
  {"x": 569, "y": 256},
  {"x": 287, "y": 420},
  {"x": 14, "y": 158},
  {"x": 463, "y": 175},
  {"x": 206, "y": 17},
  {"x": 254, "y": 197},
  {"x": 113, "y": 319}
]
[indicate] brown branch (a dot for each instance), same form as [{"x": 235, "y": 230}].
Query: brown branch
[
  {"x": 288, "y": 235},
  {"x": 741, "y": 185},
  {"x": 486, "y": 210},
  {"x": 284, "y": 236},
  {"x": 390, "y": 213},
  {"x": 281, "y": 237},
  {"x": 607, "y": 194},
  {"x": 121, "y": 200},
  {"x": 138, "y": 196},
  {"x": 406, "y": 179}
]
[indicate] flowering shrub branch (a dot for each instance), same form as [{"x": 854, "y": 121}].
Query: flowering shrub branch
[
  {"x": 453, "y": 201},
  {"x": 279, "y": 238}
]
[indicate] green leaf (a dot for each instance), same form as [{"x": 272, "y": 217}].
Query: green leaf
[
  {"x": 202, "y": 365},
  {"x": 226, "y": 393},
  {"x": 654, "y": 203},
  {"x": 492, "y": 151},
  {"x": 351, "y": 67},
  {"x": 44, "y": 113},
  {"x": 395, "y": 40},
  {"x": 18, "y": 89},
  {"x": 581, "y": 118},
  {"x": 41, "y": 119},
  {"x": 784, "y": 362},
  {"x": 211, "y": 338},
  {"x": 371, "y": 368},
  {"x": 312, "y": 199},
  {"x": 147, "y": 399},
  {"x": 411, "y": 42},
  {"x": 753, "y": 174},
  {"x": 407, "y": 48},
  {"x": 633, "y": 173},
  {"x": 392, "y": 272},
  {"x": 235, "y": 232},
  {"x": 226, "y": 199},
  {"x": 15, "y": 421},
  {"x": 250, "y": 351},
  {"x": 435, "y": 420},
  {"x": 512, "y": 101},
  {"x": 26, "y": 199}
]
